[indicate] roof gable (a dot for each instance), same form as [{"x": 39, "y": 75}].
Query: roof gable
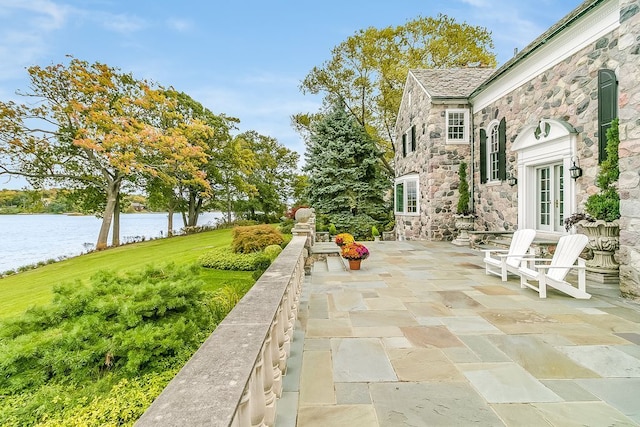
[{"x": 451, "y": 83}]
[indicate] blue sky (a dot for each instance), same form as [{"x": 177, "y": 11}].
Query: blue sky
[{"x": 242, "y": 58}]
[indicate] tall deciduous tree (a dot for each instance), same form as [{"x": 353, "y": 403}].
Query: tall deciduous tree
[
  {"x": 189, "y": 185},
  {"x": 367, "y": 71},
  {"x": 345, "y": 180},
  {"x": 270, "y": 179},
  {"x": 87, "y": 127}
]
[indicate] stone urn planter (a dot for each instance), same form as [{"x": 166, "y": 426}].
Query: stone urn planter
[
  {"x": 464, "y": 224},
  {"x": 604, "y": 240}
]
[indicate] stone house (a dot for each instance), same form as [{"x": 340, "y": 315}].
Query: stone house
[{"x": 527, "y": 123}]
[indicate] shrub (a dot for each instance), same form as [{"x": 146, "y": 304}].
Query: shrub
[
  {"x": 375, "y": 232},
  {"x": 605, "y": 205},
  {"x": 332, "y": 229},
  {"x": 463, "y": 191},
  {"x": 226, "y": 259},
  {"x": 272, "y": 251},
  {"x": 286, "y": 226},
  {"x": 358, "y": 225},
  {"x": 255, "y": 238},
  {"x": 129, "y": 324}
]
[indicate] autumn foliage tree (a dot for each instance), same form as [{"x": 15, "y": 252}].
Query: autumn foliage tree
[{"x": 88, "y": 127}]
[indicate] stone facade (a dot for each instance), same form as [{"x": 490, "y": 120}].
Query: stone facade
[
  {"x": 629, "y": 150},
  {"x": 434, "y": 160},
  {"x": 553, "y": 80},
  {"x": 568, "y": 92}
]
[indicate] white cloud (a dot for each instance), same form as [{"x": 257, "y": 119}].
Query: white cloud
[
  {"x": 180, "y": 25},
  {"x": 123, "y": 24}
]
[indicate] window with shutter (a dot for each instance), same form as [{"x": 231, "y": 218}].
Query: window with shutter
[{"x": 607, "y": 107}]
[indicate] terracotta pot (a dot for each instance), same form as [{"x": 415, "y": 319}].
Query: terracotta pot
[{"x": 354, "y": 264}]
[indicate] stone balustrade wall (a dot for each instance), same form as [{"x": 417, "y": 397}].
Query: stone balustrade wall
[{"x": 235, "y": 377}]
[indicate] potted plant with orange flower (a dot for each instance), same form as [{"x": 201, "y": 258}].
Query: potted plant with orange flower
[
  {"x": 343, "y": 239},
  {"x": 355, "y": 252}
]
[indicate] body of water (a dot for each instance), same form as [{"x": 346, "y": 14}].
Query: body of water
[{"x": 28, "y": 239}]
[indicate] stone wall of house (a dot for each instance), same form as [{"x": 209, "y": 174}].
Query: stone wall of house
[
  {"x": 567, "y": 91},
  {"x": 436, "y": 164},
  {"x": 629, "y": 183}
]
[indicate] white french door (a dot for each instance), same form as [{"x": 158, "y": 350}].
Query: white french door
[{"x": 550, "y": 197}]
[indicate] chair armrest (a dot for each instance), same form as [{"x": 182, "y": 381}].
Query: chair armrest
[
  {"x": 548, "y": 267},
  {"x": 488, "y": 251},
  {"x": 516, "y": 255}
]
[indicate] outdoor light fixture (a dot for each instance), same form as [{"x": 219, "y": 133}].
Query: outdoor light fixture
[
  {"x": 575, "y": 170},
  {"x": 511, "y": 180}
]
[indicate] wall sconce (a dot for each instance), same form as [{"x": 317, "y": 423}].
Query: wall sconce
[
  {"x": 511, "y": 180},
  {"x": 575, "y": 170}
]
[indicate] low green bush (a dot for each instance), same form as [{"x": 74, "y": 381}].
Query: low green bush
[
  {"x": 127, "y": 323},
  {"x": 100, "y": 354},
  {"x": 226, "y": 259},
  {"x": 272, "y": 251},
  {"x": 255, "y": 238},
  {"x": 286, "y": 226}
]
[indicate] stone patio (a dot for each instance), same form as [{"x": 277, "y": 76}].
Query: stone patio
[{"x": 422, "y": 337}]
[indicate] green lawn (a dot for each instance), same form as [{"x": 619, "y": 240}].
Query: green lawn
[{"x": 34, "y": 287}]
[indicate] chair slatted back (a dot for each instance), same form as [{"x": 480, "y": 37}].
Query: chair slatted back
[
  {"x": 567, "y": 252},
  {"x": 520, "y": 242}
]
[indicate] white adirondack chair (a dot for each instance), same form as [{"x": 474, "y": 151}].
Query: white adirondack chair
[
  {"x": 555, "y": 270},
  {"x": 503, "y": 261}
]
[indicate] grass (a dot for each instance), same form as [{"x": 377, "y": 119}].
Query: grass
[{"x": 34, "y": 287}]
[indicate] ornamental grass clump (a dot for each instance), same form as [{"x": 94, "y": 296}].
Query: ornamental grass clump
[
  {"x": 355, "y": 250},
  {"x": 343, "y": 239}
]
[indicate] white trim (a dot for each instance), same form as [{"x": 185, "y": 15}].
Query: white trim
[
  {"x": 412, "y": 177},
  {"x": 603, "y": 20},
  {"x": 556, "y": 143},
  {"x": 465, "y": 130}
]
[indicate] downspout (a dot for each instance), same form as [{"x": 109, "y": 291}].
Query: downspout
[{"x": 473, "y": 165}]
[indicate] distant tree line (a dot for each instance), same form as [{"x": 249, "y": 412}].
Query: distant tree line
[{"x": 100, "y": 133}]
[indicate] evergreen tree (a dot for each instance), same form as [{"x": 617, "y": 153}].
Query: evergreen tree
[{"x": 346, "y": 181}]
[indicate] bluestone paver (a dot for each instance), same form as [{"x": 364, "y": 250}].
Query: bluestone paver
[{"x": 420, "y": 336}]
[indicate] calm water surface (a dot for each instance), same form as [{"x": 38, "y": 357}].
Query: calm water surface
[{"x": 28, "y": 239}]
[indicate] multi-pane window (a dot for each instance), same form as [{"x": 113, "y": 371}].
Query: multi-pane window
[
  {"x": 494, "y": 154},
  {"x": 550, "y": 193},
  {"x": 406, "y": 195},
  {"x": 412, "y": 196},
  {"x": 457, "y": 124}
]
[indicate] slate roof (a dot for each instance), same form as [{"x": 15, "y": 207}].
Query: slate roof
[{"x": 452, "y": 82}]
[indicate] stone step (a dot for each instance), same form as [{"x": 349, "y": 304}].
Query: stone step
[
  {"x": 319, "y": 267},
  {"x": 335, "y": 263}
]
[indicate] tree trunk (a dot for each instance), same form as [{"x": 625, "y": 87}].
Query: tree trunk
[
  {"x": 228, "y": 204},
  {"x": 195, "y": 203},
  {"x": 113, "y": 190},
  {"x": 115, "y": 237},
  {"x": 170, "y": 222}
]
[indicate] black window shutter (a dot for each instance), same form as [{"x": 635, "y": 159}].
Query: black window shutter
[
  {"x": 502, "y": 150},
  {"x": 413, "y": 138},
  {"x": 404, "y": 145},
  {"x": 483, "y": 156},
  {"x": 607, "y": 107}
]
